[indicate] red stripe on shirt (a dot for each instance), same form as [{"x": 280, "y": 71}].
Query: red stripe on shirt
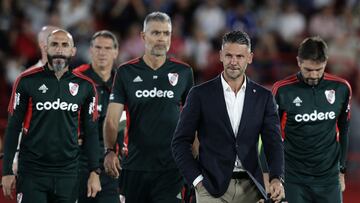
[
  {"x": 286, "y": 81},
  {"x": 82, "y": 68},
  {"x": 132, "y": 61},
  {"x": 328, "y": 76},
  {"x": 29, "y": 71},
  {"x": 172, "y": 59},
  {"x": 283, "y": 124},
  {"x": 126, "y": 132},
  {"x": 80, "y": 75},
  {"x": 28, "y": 116}
]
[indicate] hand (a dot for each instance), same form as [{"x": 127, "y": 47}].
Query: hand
[
  {"x": 112, "y": 165},
  {"x": 80, "y": 142},
  {"x": 276, "y": 190},
  {"x": 8, "y": 185},
  {"x": 93, "y": 185},
  {"x": 342, "y": 181}
]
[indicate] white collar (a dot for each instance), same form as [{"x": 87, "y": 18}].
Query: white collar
[{"x": 226, "y": 86}]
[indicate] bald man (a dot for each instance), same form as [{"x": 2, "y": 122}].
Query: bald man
[
  {"x": 46, "y": 106},
  {"x": 42, "y": 41}
]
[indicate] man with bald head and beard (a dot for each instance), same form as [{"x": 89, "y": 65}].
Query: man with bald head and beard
[
  {"x": 46, "y": 106},
  {"x": 42, "y": 42}
]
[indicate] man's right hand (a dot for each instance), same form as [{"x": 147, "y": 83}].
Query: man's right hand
[
  {"x": 8, "y": 184},
  {"x": 112, "y": 165}
]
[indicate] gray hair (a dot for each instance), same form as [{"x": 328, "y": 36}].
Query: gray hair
[
  {"x": 156, "y": 16},
  {"x": 105, "y": 34}
]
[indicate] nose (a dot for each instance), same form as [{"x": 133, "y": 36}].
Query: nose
[
  {"x": 162, "y": 37},
  {"x": 314, "y": 74},
  {"x": 59, "y": 50},
  {"x": 233, "y": 60},
  {"x": 101, "y": 51}
]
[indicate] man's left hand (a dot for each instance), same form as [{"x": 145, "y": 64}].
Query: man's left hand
[
  {"x": 93, "y": 186},
  {"x": 276, "y": 190}
]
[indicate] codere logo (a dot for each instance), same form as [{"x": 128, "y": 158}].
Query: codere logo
[
  {"x": 154, "y": 93},
  {"x": 314, "y": 116},
  {"x": 56, "y": 105}
]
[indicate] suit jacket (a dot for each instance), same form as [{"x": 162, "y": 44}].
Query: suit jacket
[{"x": 205, "y": 112}]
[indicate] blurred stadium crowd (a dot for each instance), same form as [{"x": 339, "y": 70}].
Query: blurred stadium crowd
[{"x": 276, "y": 27}]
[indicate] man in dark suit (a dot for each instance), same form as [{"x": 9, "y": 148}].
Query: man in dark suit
[{"x": 229, "y": 113}]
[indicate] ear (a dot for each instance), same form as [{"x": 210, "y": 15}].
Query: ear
[
  {"x": 42, "y": 45},
  {"x": 115, "y": 53},
  {"x": 142, "y": 35},
  {"x": 220, "y": 56},
  {"x": 298, "y": 61},
  {"x": 45, "y": 47},
  {"x": 250, "y": 57},
  {"x": 90, "y": 51},
  {"x": 73, "y": 51}
]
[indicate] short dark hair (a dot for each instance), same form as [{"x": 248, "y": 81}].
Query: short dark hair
[
  {"x": 105, "y": 34},
  {"x": 237, "y": 36},
  {"x": 156, "y": 16},
  {"x": 313, "y": 48}
]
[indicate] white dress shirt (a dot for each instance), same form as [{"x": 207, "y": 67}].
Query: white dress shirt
[{"x": 234, "y": 105}]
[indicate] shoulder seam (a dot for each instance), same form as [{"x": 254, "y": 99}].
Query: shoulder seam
[
  {"x": 30, "y": 71},
  {"x": 132, "y": 61},
  {"x": 82, "y": 68},
  {"x": 82, "y": 76},
  {"x": 172, "y": 59},
  {"x": 287, "y": 81},
  {"x": 330, "y": 77}
]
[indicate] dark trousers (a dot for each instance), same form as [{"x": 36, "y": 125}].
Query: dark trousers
[
  {"x": 46, "y": 189},
  {"x": 302, "y": 193},
  {"x": 151, "y": 187}
]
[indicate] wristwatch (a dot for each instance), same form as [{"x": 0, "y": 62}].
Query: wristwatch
[
  {"x": 108, "y": 150},
  {"x": 342, "y": 169},
  {"x": 277, "y": 177},
  {"x": 97, "y": 170}
]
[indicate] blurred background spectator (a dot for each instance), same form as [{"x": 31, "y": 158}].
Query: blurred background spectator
[{"x": 275, "y": 26}]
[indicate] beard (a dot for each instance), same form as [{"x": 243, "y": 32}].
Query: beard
[
  {"x": 311, "y": 81},
  {"x": 159, "y": 50},
  {"x": 58, "y": 62},
  {"x": 234, "y": 72}
]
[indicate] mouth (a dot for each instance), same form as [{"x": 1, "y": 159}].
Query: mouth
[
  {"x": 102, "y": 59},
  {"x": 233, "y": 68},
  {"x": 58, "y": 57},
  {"x": 160, "y": 46}
]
